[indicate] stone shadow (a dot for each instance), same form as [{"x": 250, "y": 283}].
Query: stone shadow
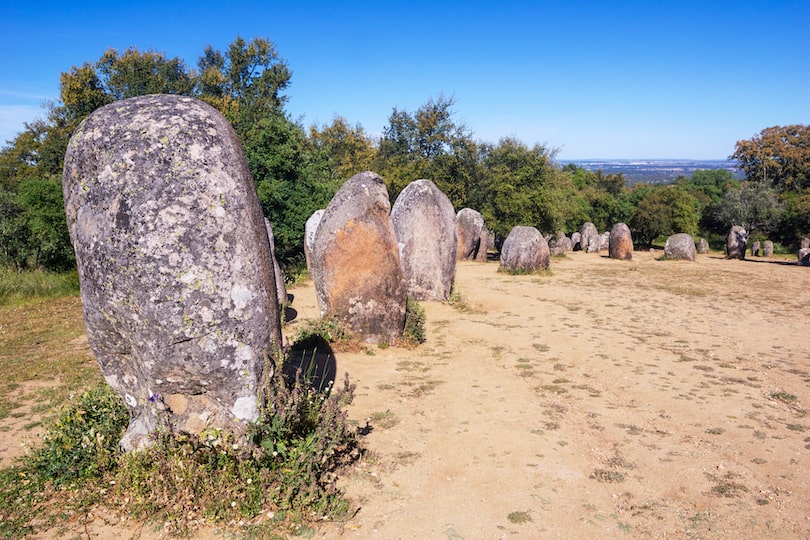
[{"x": 313, "y": 360}]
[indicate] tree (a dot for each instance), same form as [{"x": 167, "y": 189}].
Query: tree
[
  {"x": 429, "y": 144},
  {"x": 246, "y": 84},
  {"x": 136, "y": 73},
  {"x": 346, "y": 150},
  {"x": 752, "y": 205},
  {"x": 521, "y": 185},
  {"x": 663, "y": 211},
  {"x": 778, "y": 156}
]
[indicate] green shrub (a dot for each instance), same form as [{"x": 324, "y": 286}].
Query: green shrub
[
  {"x": 414, "y": 332},
  {"x": 82, "y": 443}
]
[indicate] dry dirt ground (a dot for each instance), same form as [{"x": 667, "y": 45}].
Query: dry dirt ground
[{"x": 607, "y": 399}]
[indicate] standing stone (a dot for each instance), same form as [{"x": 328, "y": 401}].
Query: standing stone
[
  {"x": 804, "y": 256},
  {"x": 805, "y": 244},
  {"x": 604, "y": 241},
  {"x": 736, "y": 243},
  {"x": 703, "y": 246},
  {"x": 589, "y": 238},
  {"x": 483, "y": 245},
  {"x": 174, "y": 263},
  {"x": 680, "y": 246},
  {"x": 281, "y": 288},
  {"x": 620, "y": 244},
  {"x": 576, "y": 241},
  {"x": 755, "y": 249},
  {"x": 355, "y": 261},
  {"x": 525, "y": 250},
  {"x": 469, "y": 225},
  {"x": 767, "y": 248},
  {"x": 425, "y": 226},
  {"x": 310, "y": 228}
]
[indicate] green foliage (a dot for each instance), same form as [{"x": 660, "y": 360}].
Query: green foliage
[
  {"x": 429, "y": 144},
  {"x": 663, "y": 211},
  {"x": 16, "y": 286},
  {"x": 82, "y": 444},
  {"x": 314, "y": 332},
  {"x": 752, "y": 205},
  {"x": 288, "y": 463},
  {"x": 344, "y": 150},
  {"x": 523, "y": 188},
  {"x": 414, "y": 332}
]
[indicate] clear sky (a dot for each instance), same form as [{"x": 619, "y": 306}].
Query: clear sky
[{"x": 602, "y": 79}]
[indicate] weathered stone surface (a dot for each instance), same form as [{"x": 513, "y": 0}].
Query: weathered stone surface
[
  {"x": 736, "y": 243},
  {"x": 804, "y": 256},
  {"x": 604, "y": 241},
  {"x": 281, "y": 288},
  {"x": 563, "y": 242},
  {"x": 310, "y": 228},
  {"x": 576, "y": 241},
  {"x": 680, "y": 246},
  {"x": 805, "y": 243},
  {"x": 469, "y": 225},
  {"x": 702, "y": 246},
  {"x": 483, "y": 245},
  {"x": 620, "y": 244},
  {"x": 767, "y": 248},
  {"x": 355, "y": 261},
  {"x": 589, "y": 239},
  {"x": 756, "y": 249},
  {"x": 525, "y": 250},
  {"x": 174, "y": 263},
  {"x": 425, "y": 226}
]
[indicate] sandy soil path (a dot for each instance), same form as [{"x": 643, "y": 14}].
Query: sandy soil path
[{"x": 642, "y": 399}]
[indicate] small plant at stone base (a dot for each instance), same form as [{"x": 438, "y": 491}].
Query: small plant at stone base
[
  {"x": 414, "y": 332},
  {"x": 288, "y": 463},
  {"x": 330, "y": 329},
  {"x": 79, "y": 454}
]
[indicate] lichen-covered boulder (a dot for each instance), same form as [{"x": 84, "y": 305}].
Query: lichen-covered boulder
[
  {"x": 767, "y": 248},
  {"x": 425, "y": 226},
  {"x": 355, "y": 261},
  {"x": 804, "y": 256},
  {"x": 310, "y": 228},
  {"x": 469, "y": 226},
  {"x": 805, "y": 243},
  {"x": 736, "y": 243},
  {"x": 756, "y": 249},
  {"x": 281, "y": 287},
  {"x": 174, "y": 263},
  {"x": 525, "y": 250},
  {"x": 620, "y": 242},
  {"x": 680, "y": 246},
  {"x": 702, "y": 246},
  {"x": 589, "y": 238}
]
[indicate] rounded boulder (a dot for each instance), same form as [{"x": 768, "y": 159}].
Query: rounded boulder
[{"x": 525, "y": 250}]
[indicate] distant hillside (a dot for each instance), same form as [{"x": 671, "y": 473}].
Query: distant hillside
[{"x": 653, "y": 171}]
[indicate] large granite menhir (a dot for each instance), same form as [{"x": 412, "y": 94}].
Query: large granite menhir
[
  {"x": 174, "y": 263},
  {"x": 355, "y": 261},
  {"x": 425, "y": 227}
]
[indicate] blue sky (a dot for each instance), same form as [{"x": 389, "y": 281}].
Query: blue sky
[{"x": 676, "y": 79}]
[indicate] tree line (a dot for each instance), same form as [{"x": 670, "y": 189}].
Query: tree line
[{"x": 298, "y": 169}]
